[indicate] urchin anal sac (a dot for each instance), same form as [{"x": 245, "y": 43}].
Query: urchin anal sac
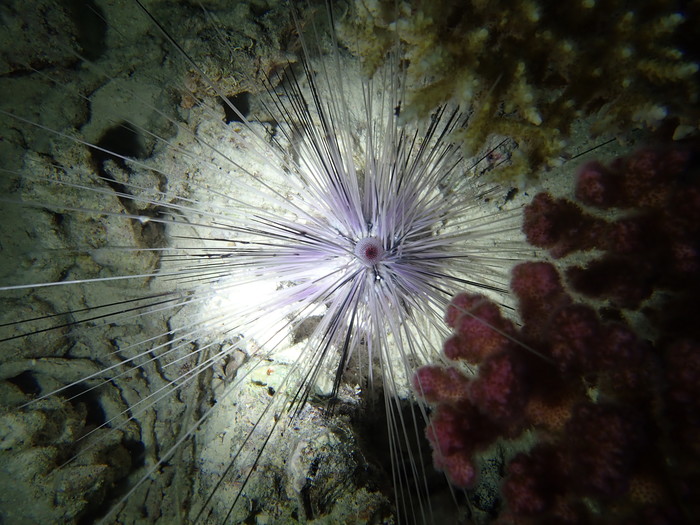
[{"x": 369, "y": 251}]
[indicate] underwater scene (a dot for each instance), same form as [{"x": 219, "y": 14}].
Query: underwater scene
[{"x": 349, "y": 262}]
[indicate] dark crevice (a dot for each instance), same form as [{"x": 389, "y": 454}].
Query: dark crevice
[
  {"x": 96, "y": 513},
  {"x": 81, "y": 394},
  {"x": 116, "y": 144},
  {"x": 373, "y": 438},
  {"x": 27, "y": 383},
  {"x": 241, "y": 102},
  {"x": 137, "y": 452},
  {"x": 91, "y": 28},
  {"x": 306, "y": 501}
]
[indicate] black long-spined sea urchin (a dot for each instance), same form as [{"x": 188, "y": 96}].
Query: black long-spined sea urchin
[{"x": 185, "y": 298}]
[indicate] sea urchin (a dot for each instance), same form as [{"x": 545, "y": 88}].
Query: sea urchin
[{"x": 278, "y": 250}]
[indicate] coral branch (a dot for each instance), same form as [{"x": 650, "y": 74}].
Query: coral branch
[{"x": 612, "y": 406}]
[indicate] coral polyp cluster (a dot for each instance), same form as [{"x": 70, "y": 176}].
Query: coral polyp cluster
[
  {"x": 530, "y": 68},
  {"x": 651, "y": 244},
  {"x": 597, "y": 388}
]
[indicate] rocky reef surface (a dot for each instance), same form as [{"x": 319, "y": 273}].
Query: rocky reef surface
[{"x": 104, "y": 102}]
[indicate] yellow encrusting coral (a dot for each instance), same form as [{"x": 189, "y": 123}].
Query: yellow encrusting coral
[{"x": 527, "y": 69}]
